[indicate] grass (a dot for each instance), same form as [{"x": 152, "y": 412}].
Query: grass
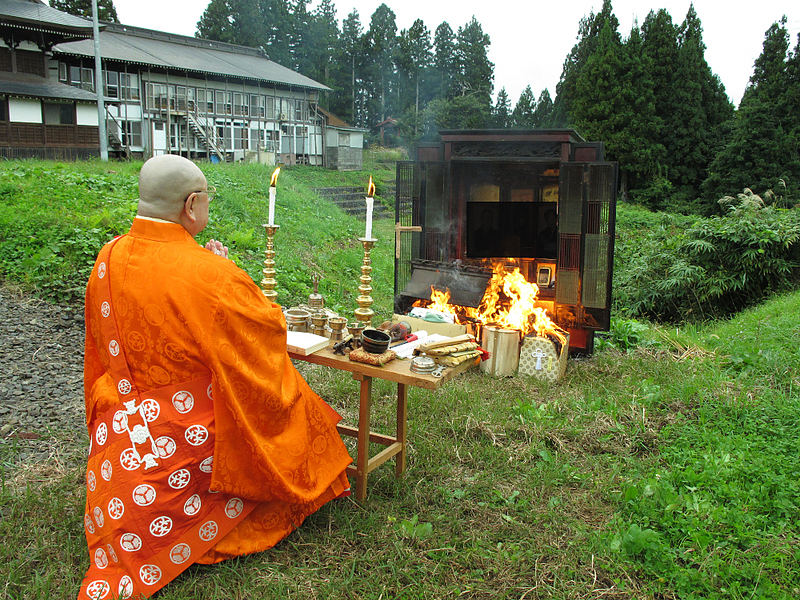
[{"x": 662, "y": 467}]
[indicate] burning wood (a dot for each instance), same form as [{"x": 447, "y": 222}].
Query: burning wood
[{"x": 509, "y": 303}]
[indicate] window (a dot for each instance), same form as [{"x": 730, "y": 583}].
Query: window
[
  {"x": 344, "y": 139},
  {"x": 177, "y": 99},
  {"x": 157, "y": 96},
  {"x": 59, "y": 113},
  {"x": 81, "y": 77},
  {"x": 239, "y": 107},
  {"x": 220, "y": 96},
  {"x": 112, "y": 84},
  {"x": 3, "y": 109},
  {"x": 240, "y": 140},
  {"x": 201, "y": 101},
  {"x": 257, "y": 106},
  {"x": 62, "y": 72},
  {"x": 301, "y": 111},
  {"x": 132, "y": 133},
  {"x": 130, "y": 86},
  {"x": 255, "y": 138},
  {"x": 270, "y": 114}
]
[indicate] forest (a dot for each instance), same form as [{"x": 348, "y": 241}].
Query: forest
[{"x": 648, "y": 94}]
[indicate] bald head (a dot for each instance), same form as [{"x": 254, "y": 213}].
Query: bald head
[{"x": 164, "y": 183}]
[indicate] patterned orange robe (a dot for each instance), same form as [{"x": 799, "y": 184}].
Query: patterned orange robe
[{"x": 192, "y": 401}]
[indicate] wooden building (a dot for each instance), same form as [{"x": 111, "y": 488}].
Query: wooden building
[
  {"x": 163, "y": 93},
  {"x": 540, "y": 200}
]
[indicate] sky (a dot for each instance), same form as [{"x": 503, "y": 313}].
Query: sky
[{"x": 530, "y": 38}]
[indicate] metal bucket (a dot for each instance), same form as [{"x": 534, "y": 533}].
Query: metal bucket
[{"x": 503, "y": 347}]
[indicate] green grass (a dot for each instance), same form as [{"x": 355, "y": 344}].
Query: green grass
[{"x": 663, "y": 467}]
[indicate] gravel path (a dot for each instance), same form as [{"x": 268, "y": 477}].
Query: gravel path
[{"x": 41, "y": 373}]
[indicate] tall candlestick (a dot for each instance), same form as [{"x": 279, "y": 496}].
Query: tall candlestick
[
  {"x": 370, "y": 204},
  {"x": 272, "y": 190}
]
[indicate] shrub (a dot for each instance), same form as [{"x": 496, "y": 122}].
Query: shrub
[{"x": 712, "y": 268}]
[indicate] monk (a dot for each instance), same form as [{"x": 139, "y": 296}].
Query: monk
[{"x": 206, "y": 443}]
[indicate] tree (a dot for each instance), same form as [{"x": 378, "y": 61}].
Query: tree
[
  {"x": 349, "y": 52},
  {"x": 214, "y": 23},
  {"x": 522, "y": 117},
  {"x": 476, "y": 72},
  {"x": 381, "y": 43},
  {"x": 588, "y": 31},
  {"x": 445, "y": 61},
  {"x": 543, "y": 114},
  {"x": 762, "y": 152},
  {"x": 501, "y": 119},
  {"x": 83, "y": 8},
  {"x": 414, "y": 58}
]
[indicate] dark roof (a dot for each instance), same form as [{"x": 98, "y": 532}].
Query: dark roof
[
  {"x": 334, "y": 121},
  {"x": 33, "y": 86},
  {"x": 146, "y": 47},
  {"x": 36, "y": 16}
]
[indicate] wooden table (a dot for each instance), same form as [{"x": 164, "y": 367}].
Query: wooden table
[{"x": 398, "y": 371}]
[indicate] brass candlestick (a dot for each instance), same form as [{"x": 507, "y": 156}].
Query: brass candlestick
[
  {"x": 268, "y": 282},
  {"x": 364, "y": 313}
]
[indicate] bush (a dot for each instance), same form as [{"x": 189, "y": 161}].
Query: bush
[{"x": 711, "y": 267}]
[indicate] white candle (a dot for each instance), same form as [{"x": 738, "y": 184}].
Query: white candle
[
  {"x": 271, "y": 205},
  {"x": 370, "y": 201}
]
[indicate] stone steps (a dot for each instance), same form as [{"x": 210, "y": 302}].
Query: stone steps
[{"x": 351, "y": 200}]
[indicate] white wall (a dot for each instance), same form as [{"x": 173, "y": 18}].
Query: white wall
[
  {"x": 25, "y": 110},
  {"x": 87, "y": 114}
]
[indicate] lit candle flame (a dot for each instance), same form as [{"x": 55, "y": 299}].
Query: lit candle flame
[
  {"x": 370, "y": 188},
  {"x": 273, "y": 182}
]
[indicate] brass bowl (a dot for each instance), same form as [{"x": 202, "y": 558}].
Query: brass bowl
[{"x": 375, "y": 341}]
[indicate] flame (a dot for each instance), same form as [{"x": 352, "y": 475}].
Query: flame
[
  {"x": 273, "y": 182},
  {"x": 370, "y": 188},
  {"x": 509, "y": 302}
]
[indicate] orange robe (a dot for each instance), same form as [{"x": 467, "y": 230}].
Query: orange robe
[{"x": 265, "y": 453}]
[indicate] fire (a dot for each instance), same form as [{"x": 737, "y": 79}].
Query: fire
[
  {"x": 370, "y": 188},
  {"x": 273, "y": 182},
  {"x": 509, "y": 302}
]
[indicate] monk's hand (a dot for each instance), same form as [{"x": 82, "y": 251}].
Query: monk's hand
[{"x": 217, "y": 248}]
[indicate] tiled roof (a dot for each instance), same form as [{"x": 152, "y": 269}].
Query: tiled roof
[
  {"x": 40, "y": 17},
  {"x": 33, "y": 86},
  {"x": 134, "y": 45}
]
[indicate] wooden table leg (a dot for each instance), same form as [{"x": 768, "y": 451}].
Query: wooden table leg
[
  {"x": 362, "y": 458},
  {"x": 402, "y": 426}
]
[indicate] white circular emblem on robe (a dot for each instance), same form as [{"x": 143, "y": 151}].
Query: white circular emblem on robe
[
  {"x": 100, "y": 558},
  {"x": 196, "y": 435},
  {"x": 101, "y": 270},
  {"x": 113, "y": 347},
  {"x": 87, "y": 521},
  {"x": 183, "y": 402},
  {"x": 98, "y": 516},
  {"x": 106, "y": 470},
  {"x": 234, "y": 508},
  {"x": 98, "y": 589},
  {"x": 128, "y": 460},
  {"x": 124, "y": 386},
  {"x": 144, "y": 494},
  {"x": 105, "y": 309},
  {"x": 91, "y": 481},
  {"x": 180, "y": 553},
  {"x": 120, "y": 422},
  {"x": 101, "y": 435},
  {"x": 208, "y": 531},
  {"x": 161, "y": 526},
  {"x": 116, "y": 508},
  {"x": 166, "y": 446},
  {"x": 179, "y": 479},
  {"x": 111, "y": 553},
  {"x": 150, "y": 410},
  {"x": 125, "y": 589},
  {"x": 192, "y": 505},
  {"x": 207, "y": 465},
  {"x": 130, "y": 542},
  {"x": 150, "y": 574}
]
